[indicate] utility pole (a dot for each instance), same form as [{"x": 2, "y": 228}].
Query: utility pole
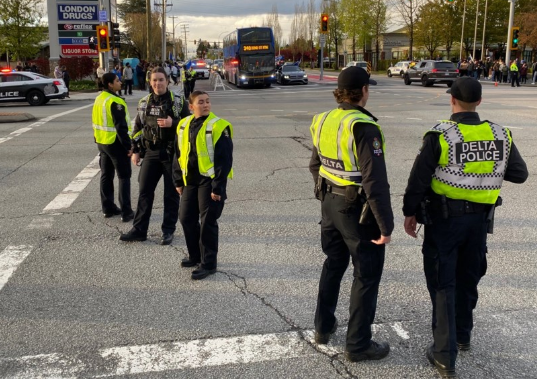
[
  {"x": 163, "y": 30},
  {"x": 475, "y": 30},
  {"x": 173, "y": 42},
  {"x": 462, "y": 31},
  {"x": 509, "y": 31},
  {"x": 148, "y": 31},
  {"x": 185, "y": 31},
  {"x": 484, "y": 27}
]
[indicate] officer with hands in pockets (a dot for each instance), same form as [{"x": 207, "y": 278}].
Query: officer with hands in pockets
[
  {"x": 349, "y": 170},
  {"x": 453, "y": 189},
  {"x": 153, "y": 138},
  {"x": 111, "y": 128}
]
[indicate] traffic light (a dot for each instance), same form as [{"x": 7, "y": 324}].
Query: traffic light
[
  {"x": 103, "y": 44},
  {"x": 324, "y": 23},
  {"x": 514, "y": 38},
  {"x": 115, "y": 37}
]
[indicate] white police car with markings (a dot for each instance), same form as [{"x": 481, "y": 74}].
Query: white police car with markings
[{"x": 28, "y": 86}]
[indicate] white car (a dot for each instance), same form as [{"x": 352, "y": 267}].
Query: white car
[
  {"x": 398, "y": 69},
  {"x": 362, "y": 64},
  {"x": 29, "y": 86}
]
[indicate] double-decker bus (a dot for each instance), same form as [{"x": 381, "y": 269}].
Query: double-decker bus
[{"x": 249, "y": 57}]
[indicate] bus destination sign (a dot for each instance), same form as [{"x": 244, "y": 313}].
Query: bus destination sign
[{"x": 255, "y": 48}]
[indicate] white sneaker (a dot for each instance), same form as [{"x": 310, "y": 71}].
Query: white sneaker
[{"x": 533, "y": 83}]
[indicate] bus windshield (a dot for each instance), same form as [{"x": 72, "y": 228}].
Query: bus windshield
[{"x": 257, "y": 63}]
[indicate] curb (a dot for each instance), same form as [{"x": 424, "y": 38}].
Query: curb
[{"x": 15, "y": 117}]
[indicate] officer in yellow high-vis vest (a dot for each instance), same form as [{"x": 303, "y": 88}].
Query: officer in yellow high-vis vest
[
  {"x": 111, "y": 128},
  {"x": 349, "y": 170},
  {"x": 453, "y": 189},
  {"x": 514, "y": 73},
  {"x": 203, "y": 164}
]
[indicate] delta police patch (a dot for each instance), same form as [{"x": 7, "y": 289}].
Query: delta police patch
[
  {"x": 377, "y": 147},
  {"x": 119, "y": 107}
]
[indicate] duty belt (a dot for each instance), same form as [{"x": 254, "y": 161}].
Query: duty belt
[
  {"x": 336, "y": 190},
  {"x": 458, "y": 207}
]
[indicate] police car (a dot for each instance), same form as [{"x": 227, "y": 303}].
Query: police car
[
  {"x": 28, "y": 86},
  {"x": 201, "y": 68}
]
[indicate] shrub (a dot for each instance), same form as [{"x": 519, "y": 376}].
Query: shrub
[{"x": 77, "y": 67}]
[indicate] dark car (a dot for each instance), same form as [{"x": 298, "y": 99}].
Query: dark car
[
  {"x": 34, "y": 88},
  {"x": 291, "y": 74},
  {"x": 429, "y": 72}
]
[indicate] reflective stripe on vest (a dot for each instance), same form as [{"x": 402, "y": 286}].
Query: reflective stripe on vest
[
  {"x": 473, "y": 161},
  {"x": 339, "y": 166},
  {"x": 102, "y": 118}
]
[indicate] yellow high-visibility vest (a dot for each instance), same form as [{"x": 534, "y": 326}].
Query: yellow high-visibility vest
[{"x": 104, "y": 129}]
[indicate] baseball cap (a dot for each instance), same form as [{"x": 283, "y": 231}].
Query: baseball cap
[
  {"x": 466, "y": 89},
  {"x": 354, "y": 78}
]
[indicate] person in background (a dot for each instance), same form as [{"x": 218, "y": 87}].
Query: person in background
[
  {"x": 140, "y": 74},
  {"x": 100, "y": 72},
  {"x": 128, "y": 77},
  {"x": 116, "y": 70},
  {"x": 524, "y": 73},
  {"x": 58, "y": 74},
  {"x": 66, "y": 79}
]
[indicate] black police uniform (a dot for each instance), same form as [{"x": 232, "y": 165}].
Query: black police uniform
[
  {"x": 156, "y": 145},
  {"x": 343, "y": 237},
  {"x": 454, "y": 247},
  {"x": 113, "y": 158},
  {"x": 196, "y": 202}
]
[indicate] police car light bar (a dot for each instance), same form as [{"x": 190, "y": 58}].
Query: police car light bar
[{"x": 5, "y": 70}]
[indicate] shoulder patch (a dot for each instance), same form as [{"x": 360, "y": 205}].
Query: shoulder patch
[
  {"x": 377, "y": 147},
  {"x": 119, "y": 107}
]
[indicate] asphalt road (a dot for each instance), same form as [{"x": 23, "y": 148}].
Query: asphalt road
[{"x": 75, "y": 302}]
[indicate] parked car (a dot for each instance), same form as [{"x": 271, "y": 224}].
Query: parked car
[
  {"x": 362, "y": 64},
  {"x": 398, "y": 69},
  {"x": 201, "y": 68},
  {"x": 34, "y": 88},
  {"x": 291, "y": 74},
  {"x": 429, "y": 72}
]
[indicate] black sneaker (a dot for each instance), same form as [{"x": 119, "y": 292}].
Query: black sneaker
[
  {"x": 187, "y": 262},
  {"x": 133, "y": 235},
  {"x": 128, "y": 217},
  {"x": 202, "y": 273},
  {"x": 464, "y": 346},
  {"x": 166, "y": 239},
  {"x": 374, "y": 352},
  {"x": 443, "y": 370},
  {"x": 323, "y": 338},
  {"x": 113, "y": 212}
]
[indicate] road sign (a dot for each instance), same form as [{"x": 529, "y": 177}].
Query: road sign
[
  {"x": 323, "y": 38},
  {"x": 102, "y": 16}
]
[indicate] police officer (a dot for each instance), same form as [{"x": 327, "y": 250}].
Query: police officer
[
  {"x": 111, "y": 128},
  {"x": 204, "y": 158},
  {"x": 514, "y": 73},
  {"x": 349, "y": 170},
  {"x": 453, "y": 188},
  {"x": 153, "y": 137},
  {"x": 192, "y": 76}
]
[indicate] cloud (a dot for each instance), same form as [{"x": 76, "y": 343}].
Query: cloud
[{"x": 207, "y": 8}]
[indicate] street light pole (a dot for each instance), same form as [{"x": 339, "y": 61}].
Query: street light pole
[
  {"x": 163, "y": 30},
  {"x": 475, "y": 30},
  {"x": 148, "y": 31},
  {"x": 462, "y": 31},
  {"x": 509, "y": 31},
  {"x": 484, "y": 27}
]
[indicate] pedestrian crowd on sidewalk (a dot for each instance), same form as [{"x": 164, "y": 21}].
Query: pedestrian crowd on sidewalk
[{"x": 515, "y": 72}]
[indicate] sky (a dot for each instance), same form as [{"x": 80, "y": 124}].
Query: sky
[{"x": 211, "y": 20}]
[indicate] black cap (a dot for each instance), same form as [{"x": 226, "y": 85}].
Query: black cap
[
  {"x": 466, "y": 89},
  {"x": 354, "y": 78}
]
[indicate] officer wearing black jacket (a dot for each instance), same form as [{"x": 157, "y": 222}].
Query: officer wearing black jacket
[
  {"x": 153, "y": 138},
  {"x": 202, "y": 165},
  {"x": 349, "y": 170},
  {"x": 453, "y": 189},
  {"x": 111, "y": 127}
]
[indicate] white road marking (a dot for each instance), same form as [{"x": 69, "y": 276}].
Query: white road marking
[
  {"x": 386, "y": 116},
  {"x": 413, "y": 118},
  {"x": 276, "y": 110},
  {"x": 73, "y": 189},
  {"x": 300, "y": 111},
  {"x": 42, "y": 222},
  {"x": 125, "y": 360},
  {"x": 401, "y": 332},
  {"x": 230, "y": 109},
  {"x": 18, "y": 132},
  {"x": 10, "y": 259}
]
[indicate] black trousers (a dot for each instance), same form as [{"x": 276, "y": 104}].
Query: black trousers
[
  {"x": 514, "y": 78},
  {"x": 114, "y": 158},
  {"x": 343, "y": 238},
  {"x": 141, "y": 82},
  {"x": 128, "y": 86},
  {"x": 155, "y": 165},
  {"x": 201, "y": 238},
  {"x": 454, "y": 260},
  {"x": 186, "y": 89}
]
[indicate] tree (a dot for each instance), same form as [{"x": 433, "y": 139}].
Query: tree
[
  {"x": 273, "y": 22},
  {"x": 136, "y": 35},
  {"x": 528, "y": 30},
  {"x": 380, "y": 20},
  {"x": 353, "y": 20},
  {"x": 408, "y": 10},
  {"x": 429, "y": 27},
  {"x": 19, "y": 28}
]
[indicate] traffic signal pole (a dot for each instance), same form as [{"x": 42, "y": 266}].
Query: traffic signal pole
[
  {"x": 510, "y": 32},
  {"x": 103, "y": 58}
]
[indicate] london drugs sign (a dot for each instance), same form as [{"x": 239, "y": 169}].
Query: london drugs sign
[{"x": 78, "y": 12}]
